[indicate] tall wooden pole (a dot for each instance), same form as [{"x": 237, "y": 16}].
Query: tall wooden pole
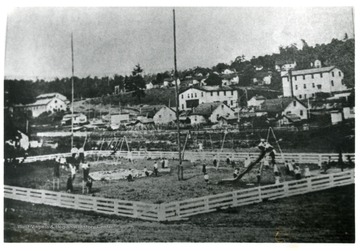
[
  {"x": 72, "y": 92},
  {"x": 180, "y": 170}
]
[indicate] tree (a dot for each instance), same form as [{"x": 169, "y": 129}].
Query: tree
[
  {"x": 136, "y": 83},
  {"x": 213, "y": 79}
]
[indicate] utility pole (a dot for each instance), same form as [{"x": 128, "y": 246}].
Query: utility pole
[
  {"x": 72, "y": 92},
  {"x": 180, "y": 167}
]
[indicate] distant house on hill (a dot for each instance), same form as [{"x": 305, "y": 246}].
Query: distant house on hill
[
  {"x": 288, "y": 106},
  {"x": 285, "y": 65},
  {"x": 230, "y": 79},
  {"x": 49, "y": 102},
  {"x": 149, "y": 86},
  {"x": 169, "y": 82},
  {"x": 256, "y": 101},
  {"x": 210, "y": 113},
  {"x": 262, "y": 78},
  {"x": 160, "y": 114}
]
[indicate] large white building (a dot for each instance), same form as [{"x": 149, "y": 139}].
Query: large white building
[
  {"x": 195, "y": 95},
  {"x": 305, "y": 83},
  {"x": 49, "y": 102}
]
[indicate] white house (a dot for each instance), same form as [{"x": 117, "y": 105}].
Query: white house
[
  {"x": 262, "y": 78},
  {"x": 149, "y": 86},
  {"x": 195, "y": 95},
  {"x": 230, "y": 79},
  {"x": 256, "y": 101},
  {"x": 51, "y": 102},
  {"x": 228, "y": 71},
  {"x": 285, "y": 65},
  {"x": 160, "y": 114},
  {"x": 78, "y": 119},
  {"x": 170, "y": 82},
  {"x": 283, "y": 106},
  {"x": 210, "y": 113},
  {"x": 305, "y": 83},
  {"x": 117, "y": 119}
]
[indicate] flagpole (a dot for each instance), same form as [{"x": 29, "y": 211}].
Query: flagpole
[
  {"x": 180, "y": 170},
  {"x": 72, "y": 92}
]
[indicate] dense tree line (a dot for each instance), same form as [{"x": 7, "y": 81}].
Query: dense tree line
[{"x": 340, "y": 53}]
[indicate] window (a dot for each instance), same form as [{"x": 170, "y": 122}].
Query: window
[
  {"x": 170, "y": 115},
  {"x": 301, "y": 112},
  {"x": 295, "y": 78},
  {"x": 202, "y": 94},
  {"x": 231, "y": 102},
  {"x": 313, "y": 95},
  {"x": 192, "y": 95},
  {"x": 320, "y": 75},
  {"x": 304, "y": 86},
  {"x": 217, "y": 116},
  {"x": 211, "y": 94},
  {"x": 312, "y": 76},
  {"x": 232, "y": 93},
  {"x": 195, "y": 118},
  {"x": 159, "y": 116},
  {"x": 303, "y": 77},
  {"x": 305, "y": 96},
  {"x": 294, "y": 103},
  {"x": 300, "y": 96},
  {"x": 332, "y": 82},
  {"x": 296, "y": 87},
  {"x": 224, "y": 93},
  {"x": 182, "y": 106},
  {"x": 182, "y": 96},
  {"x": 55, "y": 101},
  {"x": 339, "y": 73},
  {"x": 195, "y": 95},
  {"x": 319, "y": 87},
  {"x": 218, "y": 93},
  {"x": 188, "y": 95},
  {"x": 333, "y": 74},
  {"x": 313, "y": 85}
]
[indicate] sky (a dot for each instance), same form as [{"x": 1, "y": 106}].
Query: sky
[{"x": 110, "y": 41}]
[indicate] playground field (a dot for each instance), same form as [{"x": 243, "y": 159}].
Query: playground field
[
  {"x": 326, "y": 216},
  {"x": 156, "y": 189}
]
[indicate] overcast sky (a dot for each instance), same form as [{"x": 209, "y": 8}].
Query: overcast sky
[{"x": 113, "y": 40}]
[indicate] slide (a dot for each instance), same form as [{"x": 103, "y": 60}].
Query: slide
[{"x": 248, "y": 168}]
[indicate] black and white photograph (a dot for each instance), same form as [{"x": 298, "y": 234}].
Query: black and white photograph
[{"x": 179, "y": 124}]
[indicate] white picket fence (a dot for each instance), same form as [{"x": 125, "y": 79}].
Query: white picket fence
[
  {"x": 125, "y": 208},
  {"x": 180, "y": 209},
  {"x": 308, "y": 158}
]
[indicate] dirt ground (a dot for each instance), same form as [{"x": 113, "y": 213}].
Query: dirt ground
[
  {"x": 163, "y": 188},
  {"x": 321, "y": 217}
]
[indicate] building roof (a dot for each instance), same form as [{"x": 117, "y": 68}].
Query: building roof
[
  {"x": 210, "y": 88},
  {"x": 310, "y": 71},
  {"x": 258, "y": 97},
  {"x": 206, "y": 109},
  {"x": 278, "y": 104},
  {"x": 293, "y": 118},
  {"x": 49, "y": 95},
  {"x": 150, "y": 110}
]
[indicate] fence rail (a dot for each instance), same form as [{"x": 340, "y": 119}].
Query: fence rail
[
  {"x": 180, "y": 209},
  {"x": 308, "y": 158}
]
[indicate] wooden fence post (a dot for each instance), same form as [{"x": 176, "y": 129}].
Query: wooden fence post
[
  {"x": 331, "y": 180},
  {"x": 259, "y": 191},
  {"x": 309, "y": 185},
  {"x": 161, "y": 212},
  {"x": 286, "y": 189},
  {"x": 234, "y": 199},
  {"x": 206, "y": 204}
]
